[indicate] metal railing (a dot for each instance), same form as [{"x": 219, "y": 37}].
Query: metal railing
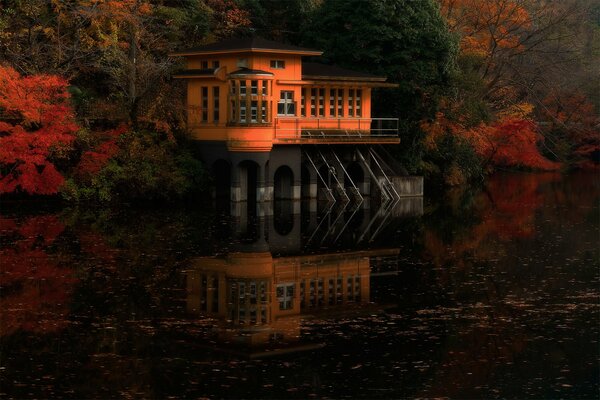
[{"x": 314, "y": 128}]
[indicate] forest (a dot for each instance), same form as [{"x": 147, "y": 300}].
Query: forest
[{"x": 89, "y": 109}]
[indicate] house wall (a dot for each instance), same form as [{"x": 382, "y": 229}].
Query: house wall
[{"x": 260, "y": 137}]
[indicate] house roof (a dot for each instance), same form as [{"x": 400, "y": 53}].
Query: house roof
[
  {"x": 312, "y": 70},
  {"x": 255, "y": 43}
]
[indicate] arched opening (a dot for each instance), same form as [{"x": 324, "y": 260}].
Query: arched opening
[
  {"x": 221, "y": 171},
  {"x": 283, "y": 217},
  {"x": 248, "y": 173},
  {"x": 357, "y": 175},
  {"x": 283, "y": 182}
]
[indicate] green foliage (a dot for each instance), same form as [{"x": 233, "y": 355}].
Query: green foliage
[
  {"x": 405, "y": 40},
  {"x": 452, "y": 162},
  {"x": 149, "y": 166},
  {"x": 468, "y": 91}
]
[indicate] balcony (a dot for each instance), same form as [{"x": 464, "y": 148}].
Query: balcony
[{"x": 290, "y": 130}]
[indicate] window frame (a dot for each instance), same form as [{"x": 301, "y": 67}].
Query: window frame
[
  {"x": 286, "y": 98},
  {"x": 277, "y": 64}
]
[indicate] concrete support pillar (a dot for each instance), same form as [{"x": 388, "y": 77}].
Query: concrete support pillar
[
  {"x": 297, "y": 188},
  {"x": 236, "y": 189},
  {"x": 260, "y": 183}
]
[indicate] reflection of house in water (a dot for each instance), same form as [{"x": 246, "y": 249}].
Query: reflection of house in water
[
  {"x": 260, "y": 301},
  {"x": 286, "y": 227}
]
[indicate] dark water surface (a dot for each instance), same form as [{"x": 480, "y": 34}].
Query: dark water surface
[{"x": 479, "y": 294}]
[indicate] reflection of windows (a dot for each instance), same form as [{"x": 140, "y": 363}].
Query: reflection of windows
[
  {"x": 243, "y": 112},
  {"x": 278, "y": 64},
  {"x": 285, "y": 296},
  {"x": 286, "y": 105},
  {"x": 215, "y": 103},
  {"x": 204, "y": 104}
]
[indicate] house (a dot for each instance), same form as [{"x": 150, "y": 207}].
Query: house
[
  {"x": 259, "y": 304},
  {"x": 274, "y": 126}
]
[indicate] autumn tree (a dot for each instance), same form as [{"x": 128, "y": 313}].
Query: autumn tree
[{"x": 37, "y": 123}]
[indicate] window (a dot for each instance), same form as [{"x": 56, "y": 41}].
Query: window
[
  {"x": 313, "y": 101},
  {"x": 216, "y": 104},
  {"x": 216, "y": 64},
  {"x": 204, "y": 104},
  {"x": 332, "y": 102},
  {"x": 357, "y": 107},
  {"x": 233, "y": 111},
  {"x": 286, "y": 105},
  {"x": 303, "y": 102},
  {"x": 263, "y": 112},
  {"x": 204, "y": 65},
  {"x": 321, "y": 102},
  {"x": 285, "y": 296},
  {"x": 243, "y": 112},
  {"x": 254, "y": 88},
  {"x": 265, "y": 87},
  {"x": 242, "y": 88},
  {"x": 233, "y": 87},
  {"x": 242, "y": 62},
  {"x": 340, "y": 102},
  {"x": 254, "y": 111},
  {"x": 277, "y": 64},
  {"x": 351, "y": 103}
]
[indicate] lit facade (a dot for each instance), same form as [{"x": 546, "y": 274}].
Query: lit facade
[{"x": 258, "y": 109}]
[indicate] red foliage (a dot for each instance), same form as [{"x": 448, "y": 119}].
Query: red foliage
[
  {"x": 36, "y": 285},
  {"x": 42, "y": 120},
  {"x": 511, "y": 143},
  {"x": 94, "y": 160}
]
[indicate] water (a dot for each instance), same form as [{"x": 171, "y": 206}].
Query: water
[{"x": 477, "y": 294}]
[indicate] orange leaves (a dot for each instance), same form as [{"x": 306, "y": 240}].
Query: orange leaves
[
  {"x": 37, "y": 99},
  {"x": 229, "y": 17},
  {"x": 39, "y": 119},
  {"x": 510, "y": 143},
  {"x": 487, "y": 25}
]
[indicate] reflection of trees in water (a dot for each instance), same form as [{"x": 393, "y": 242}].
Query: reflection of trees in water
[
  {"x": 117, "y": 276},
  {"x": 510, "y": 276},
  {"x": 36, "y": 282}
]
